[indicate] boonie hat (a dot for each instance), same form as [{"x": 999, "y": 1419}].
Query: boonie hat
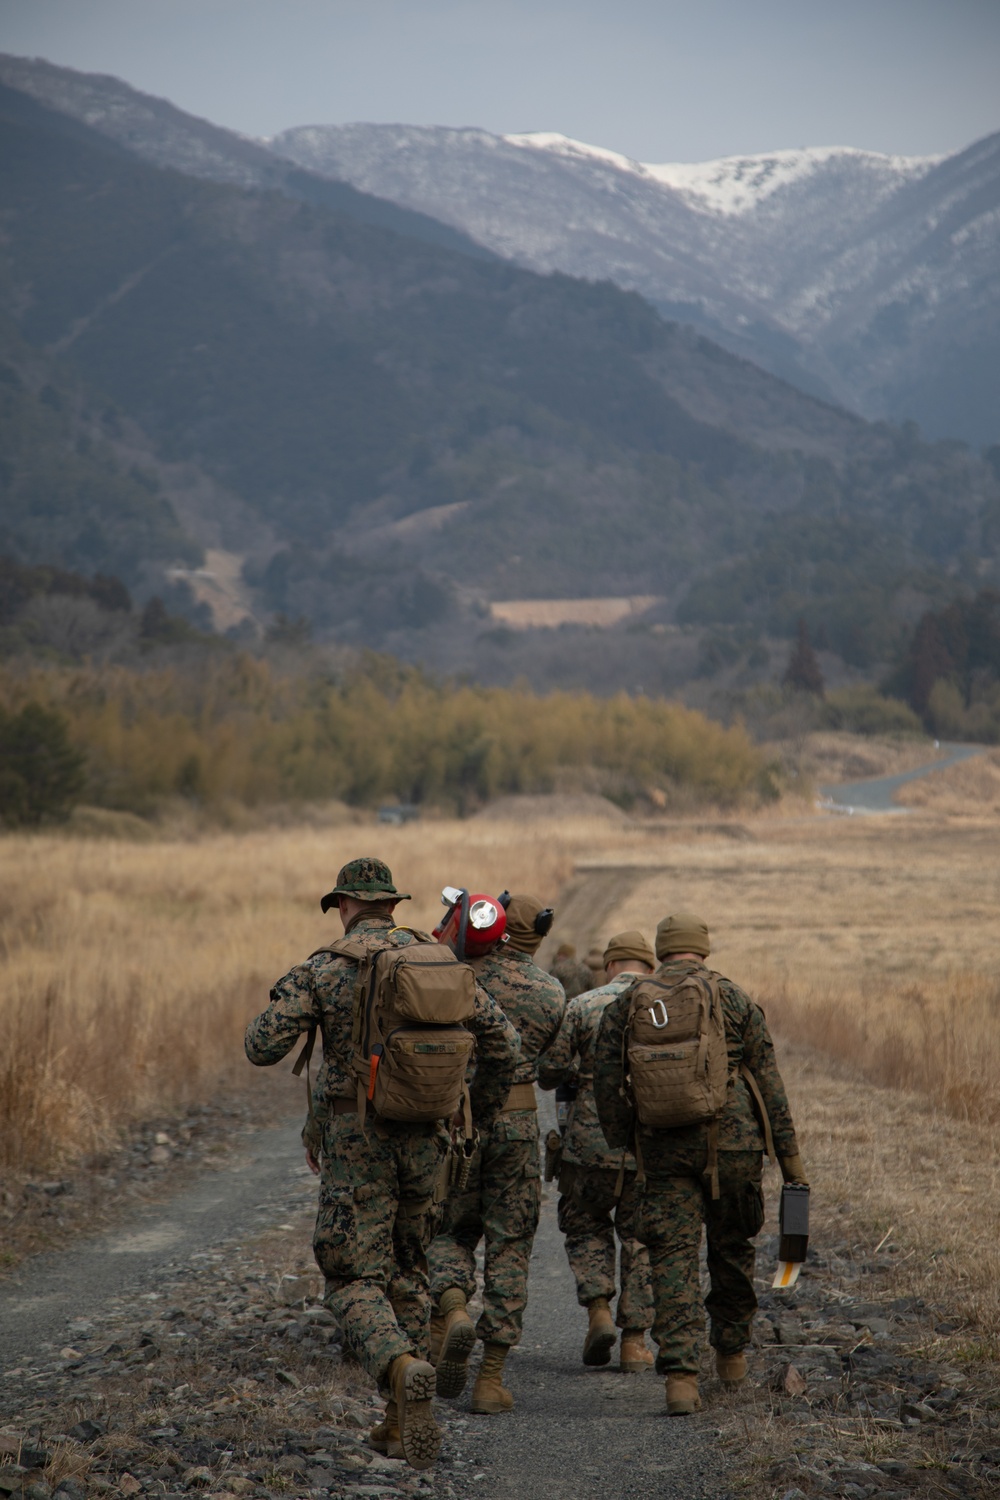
[
  {"x": 682, "y": 933},
  {"x": 365, "y": 880}
]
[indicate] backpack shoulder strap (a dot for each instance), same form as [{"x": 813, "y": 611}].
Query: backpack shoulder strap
[{"x": 760, "y": 1109}]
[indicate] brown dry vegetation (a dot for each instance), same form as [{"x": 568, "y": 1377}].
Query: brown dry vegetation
[{"x": 130, "y": 970}]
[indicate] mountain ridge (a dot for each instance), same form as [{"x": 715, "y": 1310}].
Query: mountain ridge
[
  {"x": 416, "y": 432},
  {"x": 837, "y": 275}
]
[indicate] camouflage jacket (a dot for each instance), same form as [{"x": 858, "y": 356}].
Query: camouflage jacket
[
  {"x": 573, "y": 974},
  {"x": 529, "y": 997},
  {"x": 683, "y": 1147},
  {"x": 320, "y": 992},
  {"x": 571, "y": 1059}
]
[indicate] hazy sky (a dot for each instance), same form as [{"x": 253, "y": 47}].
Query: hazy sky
[{"x": 662, "y": 80}]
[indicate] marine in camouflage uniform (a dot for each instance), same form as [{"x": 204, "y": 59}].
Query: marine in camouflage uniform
[
  {"x": 572, "y": 973},
  {"x": 502, "y": 1200},
  {"x": 677, "y": 1199},
  {"x": 376, "y": 1210},
  {"x": 597, "y": 1185}
]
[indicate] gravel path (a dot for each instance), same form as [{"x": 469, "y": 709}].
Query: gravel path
[
  {"x": 577, "y": 1433},
  {"x": 82, "y": 1279}
]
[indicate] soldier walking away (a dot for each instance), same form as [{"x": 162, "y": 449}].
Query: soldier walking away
[
  {"x": 572, "y": 973},
  {"x": 383, "y": 1143},
  {"x": 706, "y": 1172},
  {"x": 598, "y": 1197},
  {"x": 501, "y": 1201}
]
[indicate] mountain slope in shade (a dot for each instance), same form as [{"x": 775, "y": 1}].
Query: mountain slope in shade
[
  {"x": 165, "y": 136},
  {"x": 413, "y": 432},
  {"x": 872, "y": 279}
]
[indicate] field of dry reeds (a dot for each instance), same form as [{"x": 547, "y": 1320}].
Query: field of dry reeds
[{"x": 129, "y": 971}]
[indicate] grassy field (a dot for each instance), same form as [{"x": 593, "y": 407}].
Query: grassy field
[{"x": 130, "y": 970}]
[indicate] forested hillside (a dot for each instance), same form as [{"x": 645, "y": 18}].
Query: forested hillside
[{"x": 414, "y": 432}]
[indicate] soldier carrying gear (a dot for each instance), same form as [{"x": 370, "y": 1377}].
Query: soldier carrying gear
[
  {"x": 503, "y": 1195},
  {"x": 704, "y": 1172},
  {"x": 598, "y": 1196},
  {"x": 379, "y": 1172}
]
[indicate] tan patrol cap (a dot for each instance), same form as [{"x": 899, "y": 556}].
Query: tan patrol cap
[
  {"x": 682, "y": 933},
  {"x": 629, "y": 945}
]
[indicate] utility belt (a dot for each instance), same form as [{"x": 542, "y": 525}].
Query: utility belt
[{"x": 521, "y": 1096}]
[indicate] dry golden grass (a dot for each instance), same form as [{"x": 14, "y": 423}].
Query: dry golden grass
[
  {"x": 969, "y": 789},
  {"x": 131, "y": 969},
  {"x": 887, "y": 1167}
]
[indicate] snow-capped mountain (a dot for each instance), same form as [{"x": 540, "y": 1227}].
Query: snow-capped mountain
[
  {"x": 871, "y": 280},
  {"x": 874, "y": 279}
]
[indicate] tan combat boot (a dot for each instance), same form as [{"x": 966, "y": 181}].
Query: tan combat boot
[
  {"x": 412, "y": 1383},
  {"x": 489, "y": 1394},
  {"x": 385, "y": 1437},
  {"x": 731, "y": 1369},
  {"x": 633, "y": 1356},
  {"x": 601, "y": 1335},
  {"x": 682, "y": 1395},
  {"x": 457, "y": 1339}
]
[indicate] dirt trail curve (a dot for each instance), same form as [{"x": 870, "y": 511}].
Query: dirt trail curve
[{"x": 38, "y": 1300}]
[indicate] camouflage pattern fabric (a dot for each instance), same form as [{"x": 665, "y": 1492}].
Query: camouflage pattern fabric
[
  {"x": 571, "y": 1059},
  {"x": 573, "y": 974},
  {"x": 671, "y": 1214},
  {"x": 748, "y": 1041},
  {"x": 590, "y": 1217},
  {"x": 321, "y": 992},
  {"x": 375, "y": 1214},
  {"x": 676, "y": 1201},
  {"x": 374, "y": 1223},
  {"x": 503, "y": 1199},
  {"x": 501, "y": 1206},
  {"x": 531, "y": 1000}
]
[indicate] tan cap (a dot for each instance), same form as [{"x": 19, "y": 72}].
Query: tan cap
[
  {"x": 527, "y": 923},
  {"x": 629, "y": 945},
  {"x": 682, "y": 933},
  {"x": 595, "y": 957},
  {"x": 565, "y": 950}
]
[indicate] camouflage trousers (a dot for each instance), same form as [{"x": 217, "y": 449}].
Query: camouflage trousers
[
  {"x": 375, "y": 1220},
  {"x": 671, "y": 1214},
  {"x": 500, "y": 1207},
  {"x": 590, "y": 1217}
]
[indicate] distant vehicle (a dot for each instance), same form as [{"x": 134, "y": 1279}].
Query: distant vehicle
[{"x": 400, "y": 812}]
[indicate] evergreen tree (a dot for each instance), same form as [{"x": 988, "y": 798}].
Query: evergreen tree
[
  {"x": 803, "y": 673},
  {"x": 41, "y": 775}
]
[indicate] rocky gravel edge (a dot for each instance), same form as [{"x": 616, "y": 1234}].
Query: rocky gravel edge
[
  {"x": 855, "y": 1391},
  {"x": 229, "y": 1381}
]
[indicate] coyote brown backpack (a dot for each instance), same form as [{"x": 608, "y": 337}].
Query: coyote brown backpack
[
  {"x": 676, "y": 1059},
  {"x": 411, "y": 1047}
]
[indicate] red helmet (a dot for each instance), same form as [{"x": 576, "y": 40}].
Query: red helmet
[{"x": 474, "y": 924}]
